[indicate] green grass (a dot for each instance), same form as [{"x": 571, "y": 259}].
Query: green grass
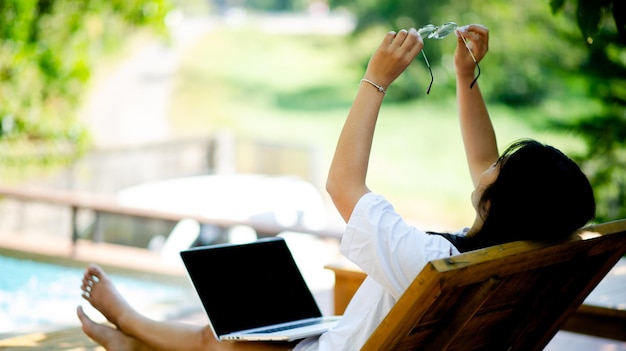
[{"x": 298, "y": 89}]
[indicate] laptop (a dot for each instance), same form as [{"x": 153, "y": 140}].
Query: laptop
[{"x": 254, "y": 292}]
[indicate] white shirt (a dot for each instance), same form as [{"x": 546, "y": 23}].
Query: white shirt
[{"x": 392, "y": 253}]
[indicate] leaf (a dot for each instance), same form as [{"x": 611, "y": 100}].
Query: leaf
[
  {"x": 619, "y": 14},
  {"x": 588, "y": 15},
  {"x": 556, "y": 6}
]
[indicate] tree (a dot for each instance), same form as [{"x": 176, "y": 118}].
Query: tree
[
  {"x": 47, "y": 50},
  {"x": 602, "y": 26}
]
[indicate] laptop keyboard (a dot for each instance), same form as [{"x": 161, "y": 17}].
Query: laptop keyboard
[{"x": 290, "y": 326}]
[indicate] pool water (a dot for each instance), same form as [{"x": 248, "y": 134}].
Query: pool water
[{"x": 36, "y": 296}]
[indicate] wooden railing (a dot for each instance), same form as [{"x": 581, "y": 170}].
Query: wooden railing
[{"x": 99, "y": 203}]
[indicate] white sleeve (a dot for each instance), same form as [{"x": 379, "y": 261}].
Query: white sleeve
[{"x": 389, "y": 250}]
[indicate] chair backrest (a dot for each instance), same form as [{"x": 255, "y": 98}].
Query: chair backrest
[{"x": 513, "y": 296}]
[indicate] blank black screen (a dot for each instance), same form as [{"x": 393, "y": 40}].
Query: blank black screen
[{"x": 251, "y": 285}]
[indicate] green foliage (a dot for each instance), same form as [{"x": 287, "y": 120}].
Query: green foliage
[
  {"x": 47, "y": 50},
  {"x": 590, "y": 15},
  {"x": 602, "y": 29},
  {"x": 271, "y": 5},
  {"x": 526, "y": 62}
]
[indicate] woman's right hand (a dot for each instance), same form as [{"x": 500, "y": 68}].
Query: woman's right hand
[{"x": 393, "y": 56}]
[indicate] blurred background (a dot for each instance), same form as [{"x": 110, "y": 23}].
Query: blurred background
[
  {"x": 99, "y": 96},
  {"x": 148, "y": 101}
]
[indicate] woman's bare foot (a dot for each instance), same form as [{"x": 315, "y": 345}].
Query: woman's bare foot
[
  {"x": 109, "y": 338},
  {"x": 99, "y": 290}
]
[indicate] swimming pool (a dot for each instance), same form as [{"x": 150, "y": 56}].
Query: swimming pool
[{"x": 40, "y": 296}]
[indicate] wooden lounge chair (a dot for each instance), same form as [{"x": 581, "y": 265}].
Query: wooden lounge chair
[{"x": 510, "y": 297}]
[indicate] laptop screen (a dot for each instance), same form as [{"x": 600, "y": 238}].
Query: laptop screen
[{"x": 250, "y": 285}]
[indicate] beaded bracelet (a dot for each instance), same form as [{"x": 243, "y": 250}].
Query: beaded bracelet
[{"x": 379, "y": 87}]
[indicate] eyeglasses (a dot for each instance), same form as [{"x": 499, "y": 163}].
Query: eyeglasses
[{"x": 430, "y": 31}]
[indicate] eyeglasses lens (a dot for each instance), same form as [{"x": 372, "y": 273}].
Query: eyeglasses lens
[
  {"x": 427, "y": 30},
  {"x": 443, "y": 30}
]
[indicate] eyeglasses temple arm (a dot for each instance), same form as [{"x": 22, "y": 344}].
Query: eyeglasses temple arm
[
  {"x": 473, "y": 58},
  {"x": 429, "y": 71}
]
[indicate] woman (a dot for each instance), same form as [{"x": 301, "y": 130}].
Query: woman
[{"x": 530, "y": 192}]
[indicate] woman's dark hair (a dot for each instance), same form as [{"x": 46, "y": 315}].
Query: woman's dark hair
[{"x": 539, "y": 194}]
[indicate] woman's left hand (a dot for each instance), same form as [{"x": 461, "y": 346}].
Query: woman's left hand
[{"x": 476, "y": 38}]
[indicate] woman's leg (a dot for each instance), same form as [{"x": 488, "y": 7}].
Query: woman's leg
[
  {"x": 99, "y": 290},
  {"x": 147, "y": 333}
]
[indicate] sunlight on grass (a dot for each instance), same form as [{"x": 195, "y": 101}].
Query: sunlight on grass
[{"x": 298, "y": 89}]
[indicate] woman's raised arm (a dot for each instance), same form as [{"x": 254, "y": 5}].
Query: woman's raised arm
[
  {"x": 348, "y": 170},
  {"x": 479, "y": 137}
]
